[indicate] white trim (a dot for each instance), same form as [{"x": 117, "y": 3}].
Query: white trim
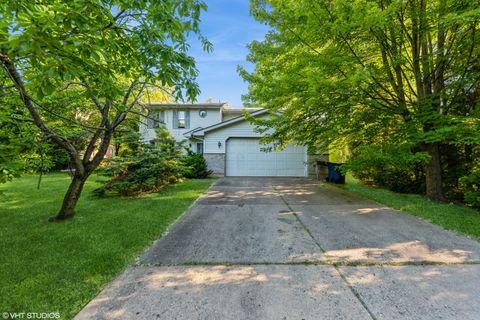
[
  {"x": 189, "y": 133},
  {"x": 176, "y": 105}
]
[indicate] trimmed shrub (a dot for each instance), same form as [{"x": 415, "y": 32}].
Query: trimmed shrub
[
  {"x": 196, "y": 166},
  {"x": 149, "y": 169}
]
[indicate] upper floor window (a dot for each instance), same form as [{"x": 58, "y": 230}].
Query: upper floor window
[
  {"x": 181, "y": 119},
  {"x": 155, "y": 118}
]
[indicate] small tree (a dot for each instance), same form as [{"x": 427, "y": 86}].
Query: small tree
[
  {"x": 152, "y": 167},
  {"x": 106, "y": 52},
  {"x": 197, "y": 167}
]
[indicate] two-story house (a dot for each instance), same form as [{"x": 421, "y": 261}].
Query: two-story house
[{"x": 227, "y": 140}]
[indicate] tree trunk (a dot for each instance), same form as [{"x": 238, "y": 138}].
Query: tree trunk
[
  {"x": 434, "y": 173},
  {"x": 82, "y": 172},
  {"x": 71, "y": 198}
]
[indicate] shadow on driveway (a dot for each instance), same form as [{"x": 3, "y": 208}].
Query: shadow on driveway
[{"x": 277, "y": 248}]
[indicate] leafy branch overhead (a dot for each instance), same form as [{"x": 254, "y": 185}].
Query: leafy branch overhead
[
  {"x": 86, "y": 65},
  {"x": 370, "y": 72}
]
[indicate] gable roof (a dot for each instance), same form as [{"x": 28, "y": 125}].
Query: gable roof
[
  {"x": 188, "y": 133},
  {"x": 202, "y": 131},
  {"x": 240, "y": 111},
  {"x": 189, "y": 105}
]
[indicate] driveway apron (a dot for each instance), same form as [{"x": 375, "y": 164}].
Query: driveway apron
[{"x": 292, "y": 248}]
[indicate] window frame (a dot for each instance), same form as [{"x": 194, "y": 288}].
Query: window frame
[
  {"x": 200, "y": 149},
  {"x": 155, "y": 119},
  {"x": 181, "y": 119}
]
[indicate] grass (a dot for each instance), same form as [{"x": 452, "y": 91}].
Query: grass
[
  {"x": 450, "y": 216},
  {"x": 50, "y": 267}
]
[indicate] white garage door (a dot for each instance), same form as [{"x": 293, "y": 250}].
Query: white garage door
[{"x": 247, "y": 157}]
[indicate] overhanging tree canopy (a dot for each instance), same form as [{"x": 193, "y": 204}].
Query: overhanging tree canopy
[
  {"x": 106, "y": 52},
  {"x": 394, "y": 71}
]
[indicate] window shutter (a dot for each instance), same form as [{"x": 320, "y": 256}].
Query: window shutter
[
  {"x": 175, "y": 119},
  {"x": 156, "y": 116},
  {"x": 187, "y": 119},
  {"x": 150, "y": 120},
  {"x": 161, "y": 116}
]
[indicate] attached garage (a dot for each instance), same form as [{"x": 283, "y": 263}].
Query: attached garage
[
  {"x": 233, "y": 148},
  {"x": 248, "y": 157}
]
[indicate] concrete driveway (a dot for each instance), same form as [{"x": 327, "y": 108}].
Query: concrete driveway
[{"x": 277, "y": 248}]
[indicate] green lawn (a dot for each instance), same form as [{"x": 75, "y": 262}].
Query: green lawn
[
  {"x": 449, "y": 216},
  {"x": 49, "y": 267}
]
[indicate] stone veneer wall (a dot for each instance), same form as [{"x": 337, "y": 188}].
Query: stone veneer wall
[{"x": 216, "y": 163}]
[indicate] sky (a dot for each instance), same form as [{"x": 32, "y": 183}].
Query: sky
[{"x": 228, "y": 26}]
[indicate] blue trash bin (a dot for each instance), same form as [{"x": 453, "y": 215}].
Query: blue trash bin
[{"x": 334, "y": 175}]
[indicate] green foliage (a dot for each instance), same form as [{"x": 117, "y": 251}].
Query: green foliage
[
  {"x": 14, "y": 135},
  {"x": 22, "y": 148},
  {"x": 196, "y": 166},
  {"x": 7, "y": 173},
  {"x": 10, "y": 166},
  {"x": 338, "y": 151},
  {"x": 81, "y": 68},
  {"x": 456, "y": 163},
  {"x": 371, "y": 73},
  {"x": 146, "y": 168},
  {"x": 471, "y": 188},
  {"x": 150, "y": 169},
  {"x": 98, "y": 41},
  {"x": 395, "y": 167},
  {"x": 127, "y": 141}
]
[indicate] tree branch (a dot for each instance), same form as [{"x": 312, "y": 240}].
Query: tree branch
[{"x": 37, "y": 119}]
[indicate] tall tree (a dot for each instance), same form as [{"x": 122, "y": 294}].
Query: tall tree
[
  {"x": 106, "y": 52},
  {"x": 394, "y": 70}
]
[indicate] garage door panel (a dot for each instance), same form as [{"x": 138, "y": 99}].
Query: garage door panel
[
  {"x": 261, "y": 156},
  {"x": 281, "y": 165},
  {"x": 247, "y": 157}
]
